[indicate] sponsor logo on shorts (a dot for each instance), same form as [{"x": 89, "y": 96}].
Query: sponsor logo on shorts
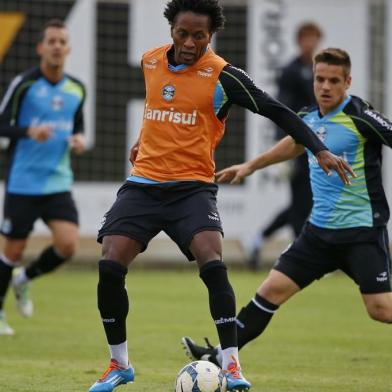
[
  {"x": 382, "y": 277},
  {"x": 214, "y": 216},
  {"x": 103, "y": 221},
  {"x": 224, "y": 320}
]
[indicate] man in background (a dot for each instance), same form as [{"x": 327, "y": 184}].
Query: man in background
[
  {"x": 41, "y": 114},
  {"x": 295, "y": 89}
]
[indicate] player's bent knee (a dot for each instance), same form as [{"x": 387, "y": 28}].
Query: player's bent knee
[
  {"x": 381, "y": 314},
  {"x": 66, "y": 250}
]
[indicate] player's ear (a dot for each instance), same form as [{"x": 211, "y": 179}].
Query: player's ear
[
  {"x": 38, "y": 48},
  {"x": 348, "y": 82}
]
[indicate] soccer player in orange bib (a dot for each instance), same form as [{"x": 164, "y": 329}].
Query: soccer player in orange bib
[{"x": 189, "y": 91}]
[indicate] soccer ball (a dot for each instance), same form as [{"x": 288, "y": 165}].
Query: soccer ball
[{"x": 200, "y": 376}]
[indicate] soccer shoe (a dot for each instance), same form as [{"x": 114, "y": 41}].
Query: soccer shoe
[
  {"x": 112, "y": 377},
  {"x": 195, "y": 352},
  {"x": 21, "y": 291},
  {"x": 5, "y": 329},
  {"x": 236, "y": 382}
]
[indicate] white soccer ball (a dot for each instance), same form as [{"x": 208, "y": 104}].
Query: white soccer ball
[{"x": 200, "y": 376}]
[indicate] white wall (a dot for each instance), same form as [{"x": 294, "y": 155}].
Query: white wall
[{"x": 81, "y": 23}]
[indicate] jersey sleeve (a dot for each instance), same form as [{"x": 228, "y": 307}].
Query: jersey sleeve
[
  {"x": 376, "y": 127},
  {"x": 241, "y": 90},
  {"x": 8, "y": 110},
  {"x": 79, "y": 116}
]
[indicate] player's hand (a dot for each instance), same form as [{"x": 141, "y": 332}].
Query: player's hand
[
  {"x": 77, "y": 143},
  {"x": 133, "y": 152},
  {"x": 234, "y": 174},
  {"x": 40, "y": 133},
  {"x": 329, "y": 162}
]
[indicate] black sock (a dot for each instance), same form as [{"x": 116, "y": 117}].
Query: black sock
[
  {"x": 222, "y": 301},
  {"x": 5, "y": 279},
  {"x": 253, "y": 319},
  {"x": 113, "y": 302},
  {"x": 48, "y": 261}
]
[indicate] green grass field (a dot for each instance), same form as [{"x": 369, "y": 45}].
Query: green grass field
[{"x": 322, "y": 340}]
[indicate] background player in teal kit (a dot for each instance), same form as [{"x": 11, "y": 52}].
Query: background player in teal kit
[
  {"x": 41, "y": 114},
  {"x": 347, "y": 226}
]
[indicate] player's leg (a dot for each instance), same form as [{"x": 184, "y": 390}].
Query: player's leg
[
  {"x": 59, "y": 212},
  {"x": 113, "y": 304},
  {"x": 124, "y": 234},
  {"x": 194, "y": 224},
  {"x": 369, "y": 265},
  {"x": 379, "y": 306},
  {"x": 19, "y": 217},
  {"x": 253, "y": 319},
  {"x": 12, "y": 253},
  {"x": 65, "y": 237},
  {"x": 206, "y": 246},
  {"x": 303, "y": 262}
]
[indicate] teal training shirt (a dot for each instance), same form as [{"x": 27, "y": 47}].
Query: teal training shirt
[
  {"x": 41, "y": 168},
  {"x": 355, "y": 132}
]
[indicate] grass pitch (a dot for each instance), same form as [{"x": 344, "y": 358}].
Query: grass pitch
[{"x": 321, "y": 340}]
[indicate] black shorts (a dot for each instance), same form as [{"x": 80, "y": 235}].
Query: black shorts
[
  {"x": 310, "y": 257},
  {"x": 180, "y": 209},
  {"x": 21, "y": 211}
]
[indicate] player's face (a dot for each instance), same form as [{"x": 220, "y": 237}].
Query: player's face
[
  {"x": 191, "y": 36},
  {"x": 330, "y": 86},
  {"x": 54, "y": 47}
]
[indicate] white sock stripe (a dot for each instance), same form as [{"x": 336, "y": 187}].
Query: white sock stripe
[
  {"x": 9, "y": 262},
  {"x": 263, "y": 307}
]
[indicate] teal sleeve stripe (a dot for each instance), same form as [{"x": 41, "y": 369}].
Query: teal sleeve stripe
[
  {"x": 220, "y": 97},
  {"x": 372, "y": 128},
  {"x": 245, "y": 89}
]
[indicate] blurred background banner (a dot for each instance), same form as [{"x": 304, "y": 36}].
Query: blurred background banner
[{"x": 108, "y": 38}]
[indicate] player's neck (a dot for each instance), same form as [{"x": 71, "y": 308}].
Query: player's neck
[{"x": 52, "y": 74}]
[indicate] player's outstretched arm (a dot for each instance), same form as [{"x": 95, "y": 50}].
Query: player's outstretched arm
[{"x": 283, "y": 151}]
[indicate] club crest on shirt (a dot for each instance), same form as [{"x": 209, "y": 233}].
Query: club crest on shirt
[
  {"x": 321, "y": 133},
  {"x": 57, "y": 103},
  {"x": 168, "y": 92}
]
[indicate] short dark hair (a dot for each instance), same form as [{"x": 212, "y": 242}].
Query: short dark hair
[
  {"x": 334, "y": 56},
  {"x": 58, "y": 23},
  {"x": 210, "y": 8},
  {"x": 309, "y": 28}
]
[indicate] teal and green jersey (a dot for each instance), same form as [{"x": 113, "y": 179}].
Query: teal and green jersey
[
  {"x": 355, "y": 132},
  {"x": 40, "y": 168}
]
